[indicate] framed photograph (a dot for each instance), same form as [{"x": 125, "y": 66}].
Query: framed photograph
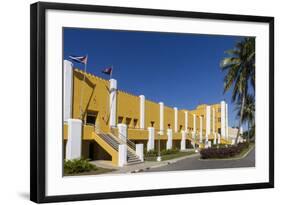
[{"x": 129, "y": 102}]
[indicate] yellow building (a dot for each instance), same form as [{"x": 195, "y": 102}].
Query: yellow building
[{"x": 102, "y": 122}]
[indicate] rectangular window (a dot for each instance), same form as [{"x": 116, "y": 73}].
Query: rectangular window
[
  {"x": 180, "y": 128},
  {"x": 135, "y": 123},
  {"x": 91, "y": 118},
  {"x": 128, "y": 121},
  {"x": 219, "y": 119}
]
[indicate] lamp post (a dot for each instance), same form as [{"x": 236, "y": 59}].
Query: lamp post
[
  {"x": 195, "y": 138},
  {"x": 159, "y": 153}
]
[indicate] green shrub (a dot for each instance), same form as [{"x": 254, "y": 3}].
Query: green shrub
[
  {"x": 169, "y": 151},
  {"x": 151, "y": 153},
  {"x": 78, "y": 166}
]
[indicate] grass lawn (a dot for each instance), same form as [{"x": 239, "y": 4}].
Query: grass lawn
[
  {"x": 98, "y": 170},
  {"x": 170, "y": 156}
]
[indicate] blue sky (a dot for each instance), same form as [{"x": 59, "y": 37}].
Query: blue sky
[{"x": 181, "y": 70}]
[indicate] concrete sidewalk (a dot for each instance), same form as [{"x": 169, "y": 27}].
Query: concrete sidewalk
[{"x": 135, "y": 168}]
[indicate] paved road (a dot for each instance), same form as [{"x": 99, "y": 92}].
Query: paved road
[{"x": 195, "y": 163}]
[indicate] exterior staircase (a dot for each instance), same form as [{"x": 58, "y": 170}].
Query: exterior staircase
[{"x": 114, "y": 141}]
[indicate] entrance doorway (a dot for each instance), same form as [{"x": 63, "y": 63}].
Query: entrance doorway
[{"x": 91, "y": 150}]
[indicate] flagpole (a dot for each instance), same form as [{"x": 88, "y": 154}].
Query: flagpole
[
  {"x": 82, "y": 89},
  {"x": 111, "y": 71}
]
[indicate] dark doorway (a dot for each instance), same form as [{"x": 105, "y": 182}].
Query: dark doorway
[{"x": 91, "y": 150}]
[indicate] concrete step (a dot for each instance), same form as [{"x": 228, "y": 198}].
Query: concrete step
[
  {"x": 114, "y": 143},
  {"x": 134, "y": 162}
]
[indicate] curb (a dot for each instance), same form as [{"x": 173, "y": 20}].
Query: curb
[{"x": 164, "y": 164}]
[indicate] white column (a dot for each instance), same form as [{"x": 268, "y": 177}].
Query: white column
[
  {"x": 208, "y": 120},
  {"x": 194, "y": 123},
  {"x": 170, "y": 139},
  {"x": 112, "y": 102},
  {"x": 176, "y": 119},
  {"x": 186, "y": 120},
  {"x": 201, "y": 129},
  {"x": 151, "y": 137},
  {"x": 122, "y": 155},
  {"x": 139, "y": 151},
  {"x": 67, "y": 89},
  {"x": 215, "y": 138},
  {"x": 183, "y": 140},
  {"x": 226, "y": 121},
  {"x": 193, "y": 141},
  {"x": 194, "y": 131},
  {"x": 193, "y": 135},
  {"x": 161, "y": 126},
  {"x": 241, "y": 130},
  {"x": 74, "y": 141},
  {"x": 122, "y": 132},
  {"x": 219, "y": 138},
  {"x": 142, "y": 111},
  {"x": 214, "y": 120},
  {"x": 223, "y": 119}
]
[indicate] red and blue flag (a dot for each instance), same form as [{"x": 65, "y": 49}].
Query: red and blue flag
[
  {"x": 107, "y": 71},
  {"x": 79, "y": 59}
]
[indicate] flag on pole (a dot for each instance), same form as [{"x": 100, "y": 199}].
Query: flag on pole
[
  {"x": 107, "y": 71},
  {"x": 79, "y": 59},
  {"x": 82, "y": 60}
]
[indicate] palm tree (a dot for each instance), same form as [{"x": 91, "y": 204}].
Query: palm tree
[
  {"x": 240, "y": 68},
  {"x": 248, "y": 114}
]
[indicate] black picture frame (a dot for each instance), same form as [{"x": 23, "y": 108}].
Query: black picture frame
[{"x": 38, "y": 100}]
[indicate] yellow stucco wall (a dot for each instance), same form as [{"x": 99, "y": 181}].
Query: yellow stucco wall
[
  {"x": 136, "y": 134},
  {"x": 169, "y": 117},
  {"x": 201, "y": 111},
  {"x": 217, "y": 116},
  {"x": 181, "y": 120},
  {"x": 96, "y": 100},
  {"x": 152, "y": 114},
  {"x": 128, "y": 108}
]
